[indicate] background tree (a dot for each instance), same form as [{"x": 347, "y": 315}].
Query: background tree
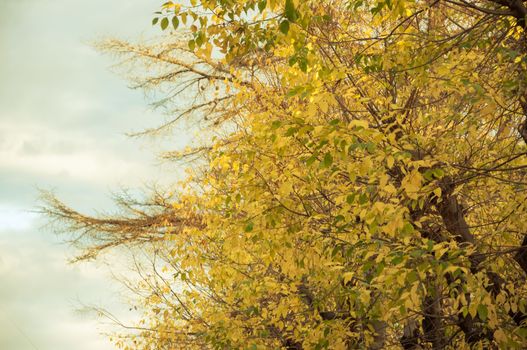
[{"x": 360, "y": 182}]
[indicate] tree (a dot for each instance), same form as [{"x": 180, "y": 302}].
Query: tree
[{"x": 360, "y": 182}]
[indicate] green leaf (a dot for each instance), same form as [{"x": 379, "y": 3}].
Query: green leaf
[
  {"x": 276, "y": 124},
  {"x": 261, "y": 5},
  {"x": 428, "y": 175},
  {"x": 175, "y": 22},
  {"x": 363, "y": 199},
  {"x": 291, "y": 131},
  {"x": 200, "y": 38},
  {"x": 295, "y": 91},
  {"x": 411, "y": 277},
  {"x": 311, "y": 160},
  {"x": 439, "y": 173},
  {"x": 290, "y": 12},
  {"x": 338, "y": 218},
  {"x": 249, "y": 227},
  {"x": 370, "y": 147},
  {"x": 407, "y": 228},
  {"x": 482, "y": 312},
  {"x": 284, "y": 26},
  {"x": 164, "y": 23},
  {"x": 328, "y": 160},
  {"x": 191, "y": 45},
  {"x": 397, "y": 260},
  {"x": 154, "y": 21}
]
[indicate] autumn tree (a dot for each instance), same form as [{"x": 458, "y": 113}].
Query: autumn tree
[{"x": 359, "y": 181}]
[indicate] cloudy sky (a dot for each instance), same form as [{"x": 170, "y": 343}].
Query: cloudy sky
[{"x": 63, "y": 115}]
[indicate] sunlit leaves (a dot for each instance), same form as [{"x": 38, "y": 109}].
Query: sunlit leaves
[{"x": 359, "y": 173}]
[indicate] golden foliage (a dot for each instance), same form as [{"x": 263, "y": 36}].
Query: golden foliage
[{"x": 360, "y": 182}]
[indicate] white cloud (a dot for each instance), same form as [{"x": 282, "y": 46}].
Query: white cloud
[
  {"x": 16, "y": 219},
  {"x": 39, "y": 294},
  {"x": 62, "y": 115},
  {"x": 87, "y": 160}
]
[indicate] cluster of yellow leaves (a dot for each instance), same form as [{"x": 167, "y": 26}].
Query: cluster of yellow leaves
[{"x": 322, "y": 200}]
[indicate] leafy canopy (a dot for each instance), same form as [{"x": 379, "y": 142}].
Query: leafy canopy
[{"x": 359, "y": 181}]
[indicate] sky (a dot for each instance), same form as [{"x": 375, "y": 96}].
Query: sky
[{"x": 63, "y": 119}]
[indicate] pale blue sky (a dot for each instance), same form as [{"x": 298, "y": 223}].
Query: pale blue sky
[{"x": 63, "y": 116}]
